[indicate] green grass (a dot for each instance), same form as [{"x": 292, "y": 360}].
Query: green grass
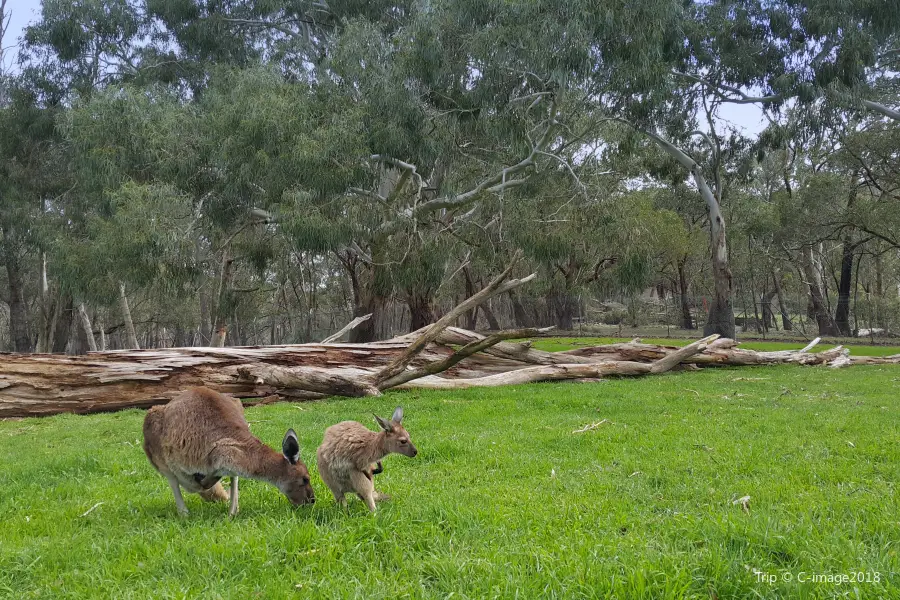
[
  {"x": 504, "y": 500},
  {"x": 555, "y": 344}
]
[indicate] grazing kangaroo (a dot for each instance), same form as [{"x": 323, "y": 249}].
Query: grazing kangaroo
[
  {"x": 202, "y": 435},
  {"x": 348, "y": 451}
]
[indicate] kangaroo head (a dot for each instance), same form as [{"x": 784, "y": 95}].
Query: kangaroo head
[
  {"x": 396, "y": 439},
  {"x": 294, "y": 482}
]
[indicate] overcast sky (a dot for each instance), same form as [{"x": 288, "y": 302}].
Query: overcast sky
[{"x": 745, "y": 116}]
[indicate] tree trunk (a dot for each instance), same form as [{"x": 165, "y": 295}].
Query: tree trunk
[
  {"x": 49, "y": 311},
  {"x": 493, "y": 323},
  {"x": 205, "y": 319},
  {"x": 721, "y": 312},
  {"x": 18, "y": 309},
  {"x": 687, "y": 321},
  {"x": 64, "y": 325},
  {"x": 782, "y": 305},
  {"x": 842, "y": 311},
  {"x": 471, "y": 320},
  {"x": 768, "y": 316},
  {"x": 223, "y": 305},
  {"x": 130, "y": 336},
  {"x": 86, "y": 326},
  {"x": 562, "y": 299},
  {"x": 817, "y": 304},
  {"x": 102, "y": 346},
  {"x": 419, "y": 309},
  {"x": 368, "y": 299},
  {"x": 879, "y": 276},
  {"x": 563, "y": 306},
  {"x": 520, "y": 315}
]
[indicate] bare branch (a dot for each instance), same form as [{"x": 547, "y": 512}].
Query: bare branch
[
  {"x": 368, "y": 194},
  {"x": 461, "y": 354},
  {"x": 719, "y": 90},
  {"x": 499, "y": 181},
  {"x": 670, "y": 360},
  {"x": 394, "y": 162},
  {"x": 494, "y": 288},
  {"x": 882, "y": 109},
  {"x": 348, "y": 327}
]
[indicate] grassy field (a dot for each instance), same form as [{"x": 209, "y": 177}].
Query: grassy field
[{"x": 504, "y": 500}]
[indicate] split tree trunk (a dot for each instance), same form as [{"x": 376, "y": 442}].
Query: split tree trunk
[
  {"x": 368, "y": 303},
  {"x": 130, "y": 336},
  {"x": 87, "y": 327},
  {"x": 562, "y": 298},
  {"x": 815, "y": 286},
  {"x": 782, "y": 305},
  {"x": 367, "y": 281}
]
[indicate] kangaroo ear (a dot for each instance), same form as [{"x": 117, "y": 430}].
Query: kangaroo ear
[
  {"x": 290, "y": 446},
  {"x": 398, "y": 415},
  {"x": 386, "y": 425}
]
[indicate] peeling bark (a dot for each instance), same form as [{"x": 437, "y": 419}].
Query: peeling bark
[{"x": 34, "y": 385}]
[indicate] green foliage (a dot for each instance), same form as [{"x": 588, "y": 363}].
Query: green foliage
[{"x": 142, "y": 239}]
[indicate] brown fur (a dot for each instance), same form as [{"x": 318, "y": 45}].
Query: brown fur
[
  {"x": 348, "y": 451},
  {"x": 202, "y": 435}
]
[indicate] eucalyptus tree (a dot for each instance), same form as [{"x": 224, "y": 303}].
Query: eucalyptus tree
[
  {"x": 79, "y": 46},
  {"x": 716, "y": 53},
  {"x": 771, "y": 52},
  {"x": 684, "y": 246},
  {"x": 33, "y": 171},
  {"x": 575, "y": 230},
  {"x": 814, "y": 175},
  {"x": 441, "y": 135}
]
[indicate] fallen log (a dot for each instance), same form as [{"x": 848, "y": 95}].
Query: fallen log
[
  {"x": 437, "y": 357},
  {"x": 42, "y": 384}
]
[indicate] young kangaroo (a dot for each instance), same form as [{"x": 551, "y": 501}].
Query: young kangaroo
[
  {"x": 201, "y": 436},
  {"x": 347, "y": 454}
]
